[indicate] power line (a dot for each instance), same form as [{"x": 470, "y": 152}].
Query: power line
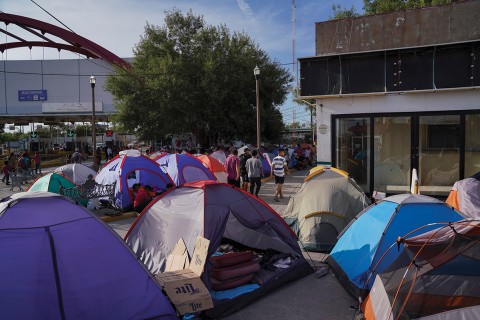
[{"x": 51, "y": 15}]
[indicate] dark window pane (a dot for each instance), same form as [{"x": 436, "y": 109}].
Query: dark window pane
[
  {"x": 320, "y": 76},
  {"x": 410, "y": 70},
  {"x": 453, "y": 66},
  {"x": 363, "y": 73}
]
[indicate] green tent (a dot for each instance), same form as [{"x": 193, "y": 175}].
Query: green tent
[{"x": 52, "y": 182}]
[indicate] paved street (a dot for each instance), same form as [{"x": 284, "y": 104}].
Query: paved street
[{"x": 307, "y": 298}]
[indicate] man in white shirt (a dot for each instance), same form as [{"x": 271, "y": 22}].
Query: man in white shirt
[{"x": 279, "y": 167}]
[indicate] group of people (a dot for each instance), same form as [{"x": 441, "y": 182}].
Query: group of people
[
  {"x": 25, "y": 162},
  {"x": 142, "y": 195},
  {"x": 248, "y": 170}
]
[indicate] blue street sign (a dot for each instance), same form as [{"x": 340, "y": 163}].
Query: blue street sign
[{"x": 32, "y": 95}]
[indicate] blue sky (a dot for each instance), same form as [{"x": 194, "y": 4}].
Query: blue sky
[{"x": 118, "y": 24}]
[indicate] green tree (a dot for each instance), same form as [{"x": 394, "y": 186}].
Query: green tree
[
  {"x": 381, "y": 6},
  {"x": 342, "y": 13},
  {"x": 188, "y": 76}
]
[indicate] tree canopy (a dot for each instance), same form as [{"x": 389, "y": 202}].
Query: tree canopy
[
  {"x": 382, "y": 6},
  {"x": 188, "y": 76}
]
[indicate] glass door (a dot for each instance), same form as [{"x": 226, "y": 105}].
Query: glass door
[
  {"x": 392, "y": 147},
  {"x": 438, "y": 158},
  {"x": 353, "y": 149}
]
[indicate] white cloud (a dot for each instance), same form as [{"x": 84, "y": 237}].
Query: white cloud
[{"x": 245, "y": 7}]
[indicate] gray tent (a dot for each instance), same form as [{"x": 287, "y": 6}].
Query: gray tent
[{"x": 327, "y": 201}]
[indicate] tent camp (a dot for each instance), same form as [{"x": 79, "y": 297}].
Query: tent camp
[
  {"x": 326, "y": 202},
  {"x": 363, "y": 243},
  {"x": 214, "y": 165},
  {"x": 434, "y": 277},
  {"x": 184, "y": 168},
  {"x": 220, "y": 156},
  {"x": 125, "y": 171},
  {"x": 76, "y": 172},
  {"x": 224, "y": 215},
  {"x": 465, "y": 196},
  {"x": 61, "y": 262}
]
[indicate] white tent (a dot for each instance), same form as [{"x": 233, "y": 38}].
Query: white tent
[{"x": 76, "y": 172}]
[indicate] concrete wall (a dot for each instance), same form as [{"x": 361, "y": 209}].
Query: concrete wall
[
  {"x": 456, "y": 22},
  {"x": 66, "y": 81}
]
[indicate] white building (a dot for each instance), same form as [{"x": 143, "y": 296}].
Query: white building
[{"x": 399, "y": 91}]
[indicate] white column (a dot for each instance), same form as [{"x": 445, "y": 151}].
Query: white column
[{"x": 324, "y": 135}]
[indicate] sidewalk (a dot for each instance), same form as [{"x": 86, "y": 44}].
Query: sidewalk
[{"x": 306, "y": 298}]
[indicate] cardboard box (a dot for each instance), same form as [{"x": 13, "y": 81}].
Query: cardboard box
[{"x": 184, "y": 286}]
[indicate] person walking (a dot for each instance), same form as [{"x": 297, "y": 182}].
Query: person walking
[
  {"x": 279, "y": 166},
  {"x": 254, "y": 169},
  {"x": 232, "y": 167},
  {"x": 37, "y": 160},
  {"x": 6, "y": 172},
  {"x": 243, "y": 169},
  {"x": 76, "y": 156},
  {"x": 110, "y": 153},
  {"x": 12, "y": 161}
]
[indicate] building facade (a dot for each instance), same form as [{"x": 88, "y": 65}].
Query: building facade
[{"x": 396, "y": 92}]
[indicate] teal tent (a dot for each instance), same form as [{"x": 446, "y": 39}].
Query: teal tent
[{"x": 52, "y": 182}]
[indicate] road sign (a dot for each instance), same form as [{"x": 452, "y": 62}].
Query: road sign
[
  {"x": 33, "y": 136},
  {"x": 70, "y": 133},
  {"x": 109, "y": 133}
]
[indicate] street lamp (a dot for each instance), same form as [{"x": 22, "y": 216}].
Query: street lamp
[
  {"x": 256, "y": 72},
  {"x": 94, "y": 134}
]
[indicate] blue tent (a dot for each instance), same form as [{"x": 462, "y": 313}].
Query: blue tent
[
  {"x": 59, "y": 261},
  {"x": 126, "y": 170},
  {"x": 184, "y": 168},
  {"x": 362, "y": 244}
]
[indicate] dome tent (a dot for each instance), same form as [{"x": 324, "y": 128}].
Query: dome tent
[
  {"x": 213, "y": 165},
  {"x": 434, "y": 277},
  {"x": 76, "y": 172},
  {"x": 60, "y": 261},
  {"x": 215, "y": 211},
  {"x": 326, "y": 202},
  {"x": 53, "y": 182},
  {"x": 362, "y": 244},
  {"x": 184, "y": 168},
  {"x": 126, "y": 170}
]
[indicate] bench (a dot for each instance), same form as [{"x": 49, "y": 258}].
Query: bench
[{"x": 89, "y": 191}]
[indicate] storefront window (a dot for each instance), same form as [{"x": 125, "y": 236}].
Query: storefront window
[
  {"x": 439, "y": 155},
  {"x": 392, "y": 148},
  {"x": 353, "y": 149},
  {"x": 472, "y": 144}
]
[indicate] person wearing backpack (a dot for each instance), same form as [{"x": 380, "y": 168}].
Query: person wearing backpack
[{"x": 243, "y": 168}]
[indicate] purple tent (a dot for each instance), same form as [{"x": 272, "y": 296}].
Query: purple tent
[
  {"x": 184, "y": 168},
  {"x": 58, "y": 261},
  {"x": 218, "y": 212},
  {"x": 126, "y": 170}
]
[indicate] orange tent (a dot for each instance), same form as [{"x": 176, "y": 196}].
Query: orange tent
[{"x": 214, "y": 165}]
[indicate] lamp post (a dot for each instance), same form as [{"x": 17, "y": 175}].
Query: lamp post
[
  {"x": 256, "y": 72},
  {"x": 94, "y": 134}
]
